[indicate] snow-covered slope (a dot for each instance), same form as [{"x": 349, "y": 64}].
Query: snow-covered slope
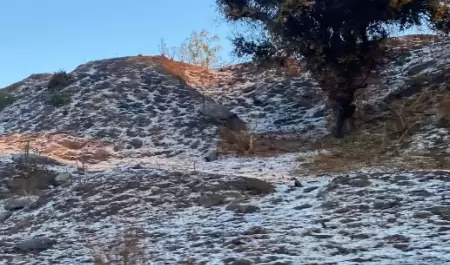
[
  {"x": 142, "y": 111},
  {"x": 379, "y": 218}
]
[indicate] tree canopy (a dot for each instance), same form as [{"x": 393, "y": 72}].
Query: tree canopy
[{"x": 340, "y": 41}]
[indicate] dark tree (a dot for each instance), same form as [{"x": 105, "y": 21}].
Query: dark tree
[{"x": 339, "y": 41}]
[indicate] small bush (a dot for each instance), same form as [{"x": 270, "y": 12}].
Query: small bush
[
  {"x": 127, "y": 250},
  {"x": 6, "y": 100},
  {"x": 60, "y": 80},
  {"x": 28, "y": 175},
  {"x": 59, "y": 99}
]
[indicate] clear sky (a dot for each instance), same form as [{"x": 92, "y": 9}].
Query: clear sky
[{"x": 48, "y": 35}]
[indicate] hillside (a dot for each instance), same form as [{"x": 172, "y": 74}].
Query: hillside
[{"x": 127, "y": 153}]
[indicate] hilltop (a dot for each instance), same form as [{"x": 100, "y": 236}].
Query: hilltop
[{"x": 122, "y": 145}]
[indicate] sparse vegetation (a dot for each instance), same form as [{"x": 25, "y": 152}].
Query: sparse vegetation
[
  {"x": 60, "y": 80},
  {"x": 443, "y": 114},
  {"x": 380, "y": 144},
  {"x": 28, "y": 174},
  {"x": 58, "y": 99},
  {"x": 199, "y": 49},
  {"x": 127, "y": 250},
  {"x": 341, "y": 48},
  {"x": 6, "y": 100}
]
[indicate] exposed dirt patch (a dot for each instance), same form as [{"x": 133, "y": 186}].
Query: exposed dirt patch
[{"x": 59, "y": 146}]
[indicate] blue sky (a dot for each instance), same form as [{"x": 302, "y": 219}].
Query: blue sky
[{"x": 48, "y": 35}]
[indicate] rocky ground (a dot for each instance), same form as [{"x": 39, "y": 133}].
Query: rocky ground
[
  {"x": 127, "y": 156},
  {"x": 364, "y": 218}
]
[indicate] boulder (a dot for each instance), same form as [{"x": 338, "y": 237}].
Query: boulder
[
  {"x": 220, "y": 115},
  {"x": 211, "y": 156},
  {"x": 62, "y": 177},
  {"x": 16, "y": 204},
  {"x": 36, "y": 244},
  {"x": 4, "y": 216}
]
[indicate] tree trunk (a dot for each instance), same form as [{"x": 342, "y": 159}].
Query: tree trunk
[{"x": 344, "y": 112}]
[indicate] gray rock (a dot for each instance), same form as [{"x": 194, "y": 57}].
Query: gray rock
[
  {"x": 221, "y": 115},
  {"x": 211, "y": 200},
  {"x": 16, "y": 204},
  {"x": 211, "y": 156},
  {"x": 422, "y": 214},
  {"x": 421, "y": 193},
  {"x": 303, "y": 206},
  {"x": 309, "y": 189},
  {"x": 242, "y": 208},
  {"x": 297, "y": 183},
  {"x": 4, "y": 216},
  {"x": 136, "y": 143},
  {"x": 360, "y": 181},
  {"x": 382, "y": 205},
  {"x": 234, "y": 123},
  {"x": 242, "y": 262},
  {"x": 36, "y": 244},
  {"x": 252, "y": 185},
  {"x": 215, "y": 111},
  {"x": 62, "y": 177},
  {"x": 442, "y": 211}
]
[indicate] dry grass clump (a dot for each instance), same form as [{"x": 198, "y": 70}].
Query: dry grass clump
[
  {"x": 247, "y": 144},
  {"x": 365, "y": 151},
  {"x": 443, "y": 112},
  {"x": 379, "y": 142},
  {"x": 127, "y": 250},
  {"x": 239, "y": 142}
]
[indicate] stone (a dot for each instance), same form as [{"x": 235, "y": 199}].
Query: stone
[
  {"x": 381, "y": 205},
  {"x": 211, "y": 200},
  {"x": 397, "y": 238},
  {"x": 321, "y": 236},
  {"x": 422, "y": 214},
  {"x": 252, "y": 185},
  {"x": 297, "y": 183},
  {"x": 442, "y": 211},
  {"x": 36, "y": 244},
  {"x": 444, "y": 229},
  {"x": 242, "y": 262},
  {"x": 303, "y": 206},
  {"x": 136, "y": 143},
  {"x": 16, "y": 204},
  {"x": 211, "y": 156},
  {"x": 360, "y": 181},
  {"x": 360, "y": 236},
  {"x": 256, "y": 230},
  {"x": 62, "y": 177},
  {"x": 215, "y": 111},
  {"x": 242, "y": 208},
  {"x": 309, "y": 189},
  {"x": 4, "y": 216},
  {"x": 137, "y": 166},
  {"x": 421, "y": 193}
]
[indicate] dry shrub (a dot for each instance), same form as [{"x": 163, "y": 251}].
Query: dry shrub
[
  {"x": 261, "y": 145},
  {"x": 443, "y": 111},
  {"x": 379, "y": 141},
  {"x": 127, "y": 250},
  {"x": 241, "y": 142},
  {"x": 60, "y": 80},
  {"x": 29, "y": 175}
]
